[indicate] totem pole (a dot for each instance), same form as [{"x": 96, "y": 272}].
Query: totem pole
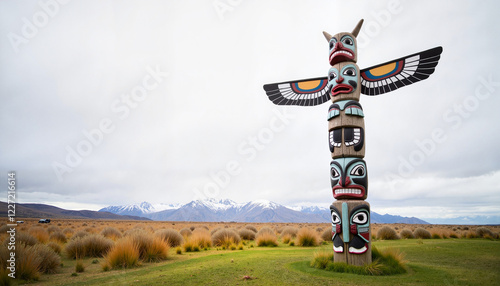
[{"x": 350, "y": 213}]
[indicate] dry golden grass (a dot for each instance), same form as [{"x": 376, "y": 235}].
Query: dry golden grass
[
  {"x": 307, "y": 237},
  {"x": 39, "y": 233},
  {"x": 124, "y": 254},
  {"x": 266, "y": 238},
  {"x": 225, "y": 237}
]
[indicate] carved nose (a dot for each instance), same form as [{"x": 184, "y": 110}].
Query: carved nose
[
  {"x": 340, "y": 79},
  {"x": 347, "y": 182}
]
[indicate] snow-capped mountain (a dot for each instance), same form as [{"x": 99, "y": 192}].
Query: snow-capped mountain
[
  {"x": 228, "y": 210},
  {"x": 139, "y": 209}
]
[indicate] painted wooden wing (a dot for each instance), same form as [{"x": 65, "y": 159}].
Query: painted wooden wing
[
  {"x": 392, "y": 75},
  {"x": 306, "y": 92}
]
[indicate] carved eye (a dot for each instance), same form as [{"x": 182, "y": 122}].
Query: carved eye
[
  {"x": 332, "y": 43},
  {"x": 335, "y": 173},
  {"x": 359, "y": 170},
  {"x": 331, "y": 76},
  {"x": 348, "y": 41},
  {"x": 350, "y": 71},
  {"x": 335, "y": 218},
  {"x": 360, "y": 218}
]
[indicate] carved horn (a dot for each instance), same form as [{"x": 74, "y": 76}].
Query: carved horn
[
  {"x": 355, "y": 32},
  {"x": 327, "y": 36}
]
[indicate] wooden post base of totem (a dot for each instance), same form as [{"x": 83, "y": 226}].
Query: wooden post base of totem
[{"x": 351, "y": 232}]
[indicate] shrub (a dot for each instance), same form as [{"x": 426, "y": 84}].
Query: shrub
[
  {"x": 246, "y": 234},
  {"x": 27, "y": 263},
  {"x": 26, "y": 239},
  {"x": 124, "y": 254},
  {"x": 173, "y": 237},
  {"x": 266, "y": 239},
  {"x": 111, "y": 233},
  {"x": 58, "y": 237},
  {"x": 422, "y": 233},
  {"x": 39, "y": 233},
  {"x": 79, "y": 267},
  {"x": 49, "y": 259},
  {"x": 79, "y": 234},
  {"x": 225, "y": 237},
  {"x": 185, "y": 232},
  {"x": 289, "y": 230},
  {"x": 215, "y": 230},
  {"x": 406, "y": 233},
  {"x": 55, "y": 246},
  {"x": 94, "y": 245},
  {"x": 387, "y": 233},
  {"x": 484, "y": 232},
  {"x": 51, "y": 229},
  {"x": 327, "y": 235},
  {"x": 265, "y": 229},
  {"x": 286, "y": 238},
  {"x": 307, "y": 237},
  {"x": 322, "y": 259},
  {"x": 251, "y": 227}
]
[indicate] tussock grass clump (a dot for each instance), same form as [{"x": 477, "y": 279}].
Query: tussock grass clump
[
  {"x": 151, "y": 248},
  {"x": 58, "y": 237},
  {"x": 111, "y": 233},
  {"x": 422, "y": 233},
  {"x": 246, "y": 234},
  {"x": 286, "y": 238},
  {"x": 327, "y": 235},
  {"x": 39, "y": 233},
  {"x": 307, "y": 237},
  {"x": 79, "y": 267},
  {"x": 387, "y": 233},
  {"x": 79, "y": 234},
  {"x": 26, "y": 239},
  {"x": 200, "y": 239},
  {"x": 172, "y": 236},
  {"x": 49, "y": 259},
  {"x": 94, "y": 245},
  {"x": 484, "y": 232},
  {"x": 251, "y": 227},
  {"x": 321, "y": 259},
  {"x": 266, "y": 239},
  {"x": 435, "y": 235},
  {"x": 51, "y": 229},
  {"x": 290, "y": 230},
  {"x": 453, "y": 235},
  {"x": 27, "y": 263},
  {"x": 68, "y": 232},
  {"x": 265, "y": 229},
  {"x": 215, "y": 230},
  {"x": 55, "y": 246},
  {"x": 407, "y": 234},
  {"x": 124, "y": 254},
  {"x": 225, "y": 237},
  {"x": 387, "y": 263},
  {"x": 186, "y": 232}
]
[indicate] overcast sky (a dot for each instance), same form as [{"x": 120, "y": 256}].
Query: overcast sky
[{"x": 117, "y": 102}]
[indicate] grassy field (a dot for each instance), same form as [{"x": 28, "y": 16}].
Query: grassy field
[{"x": 450, "y": 261}]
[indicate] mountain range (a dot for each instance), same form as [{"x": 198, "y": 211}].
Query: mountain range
[{"x": 227, "y": 210}]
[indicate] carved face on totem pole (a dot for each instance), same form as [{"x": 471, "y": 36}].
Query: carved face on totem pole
[
  {"x": 349, "y": 178},
  {"x": 343, "y": 46},
  {"x": 346, "y": 126},
  {"x": 350, "y": 228},
  {"x": 343, "y": 82}
]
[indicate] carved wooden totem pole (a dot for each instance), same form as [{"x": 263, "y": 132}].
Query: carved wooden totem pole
[{"x": 345, "y": 82}]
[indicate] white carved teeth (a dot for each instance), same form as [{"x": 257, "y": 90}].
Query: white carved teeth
[
  {"x": 348, "y": 191},
  {"x": 342, "y": 52}
]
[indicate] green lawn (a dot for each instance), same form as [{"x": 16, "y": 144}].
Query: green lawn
[{"x": 430, "y": 262}]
